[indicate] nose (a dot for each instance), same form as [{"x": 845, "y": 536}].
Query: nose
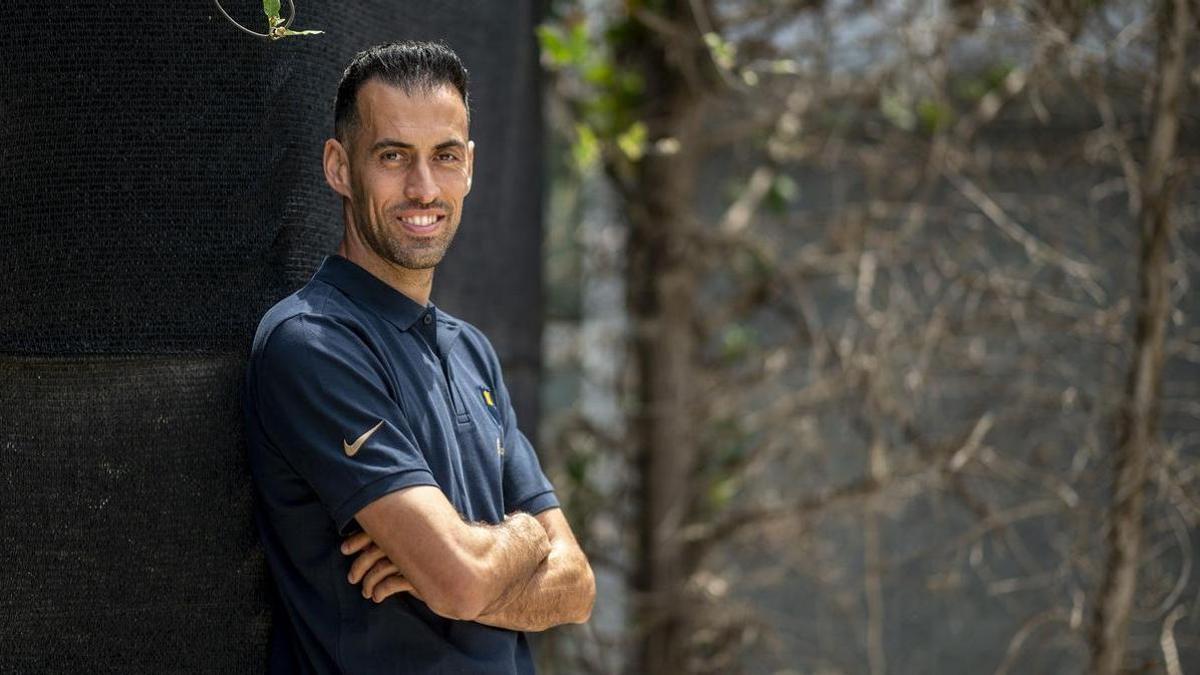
[{"x": 419, "y": 184}]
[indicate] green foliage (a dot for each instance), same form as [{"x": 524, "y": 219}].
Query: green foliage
[
  {"x": 731, "y": 446},
  {"x": 724, "y": 56},
  {"x": 973, "y": 88},
  {"x": 782, "y": 194},
  {"x": 275, "y": 23},
  {"x": 926, "y": 115},
  {"x": 737, "y": 341},
  {"x": 586, "y": 149},
  {"x": 564, "y": 46},
  {"x": 724, "y": 53},
  {"x": 722, "y": 491},
  {"x": 605, "y": 97},
  {"x": 934, "y": 115},
  {"x": 632, "y": 141},
  {"x": 578, "y": 466},
  {"x": 995, "y": 76}
]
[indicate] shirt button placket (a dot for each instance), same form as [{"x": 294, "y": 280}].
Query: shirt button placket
[{"x": 446, "y": 386}]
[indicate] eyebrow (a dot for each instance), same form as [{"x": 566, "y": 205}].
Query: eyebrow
[{"x": 393, "y": 143}]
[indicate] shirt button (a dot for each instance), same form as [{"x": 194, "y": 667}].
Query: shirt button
[{"x": 428, "y": 319}]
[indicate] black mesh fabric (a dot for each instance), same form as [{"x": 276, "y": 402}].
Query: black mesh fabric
[
  {"x": 161, "y": 188},
  {"x": 162, "y": 177},
  {"x": 127, "y": 540}
]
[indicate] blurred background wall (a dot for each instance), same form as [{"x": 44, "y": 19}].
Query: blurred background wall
[
  {"x": 161, "y": 189},
  {"x": 878, "y": 325}
]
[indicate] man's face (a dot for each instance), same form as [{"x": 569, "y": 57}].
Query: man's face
[{"x": 409, "y": 169}]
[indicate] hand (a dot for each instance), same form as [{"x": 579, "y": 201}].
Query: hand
[{"x": 379, "y": 575}]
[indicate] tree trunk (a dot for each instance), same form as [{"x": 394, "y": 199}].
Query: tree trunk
[
  {"x": 1137, "y": 437},
  {"x": 661, "y": 287}
]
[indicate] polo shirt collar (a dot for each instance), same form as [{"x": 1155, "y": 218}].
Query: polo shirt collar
[{"x": 368, "y": 290}]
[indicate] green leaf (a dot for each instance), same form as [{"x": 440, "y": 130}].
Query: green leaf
[
  {"x": 722, "y": 491},
  {"x": 934, "y": 116},
  {"x": 271, "y": 9},
  {"x": 996, "y": 75},
  {"x": 723, "y": 52},
  {"x": 565, "y": 46},
  {"x": 598, "y": 73},
  {"x": 578, "y": 44},
  {"x": 577, "y": 468},
  {"x": 587, "y": 148},
  {"x": 632, "y": 141},
  {"x": 737, "y": 341},
  {"x": 630, "y": 83},
  {"x": 554, "y": 44},
  {"x": 782, "y": 194}
]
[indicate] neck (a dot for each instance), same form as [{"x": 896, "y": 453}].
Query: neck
[{"x": 416, "y": 284}]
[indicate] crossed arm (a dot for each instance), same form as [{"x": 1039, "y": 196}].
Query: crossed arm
[{"x": 526, "y": 573}]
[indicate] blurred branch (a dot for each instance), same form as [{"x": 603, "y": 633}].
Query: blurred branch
[
  {"x": 1167, "y": 641},
  {"x": 787, "y": 130},
  {"x": 991, "y": 521},
  {"x": 1027, "y": 629},
  {"x": 1116, "y": 139},
  {"x": 991, "y": 104},
  {"x": 703, "y": 534},
  {"x": 1083, "y": 272},
  {"x": 735, "y": 520},
  {"x": 1139, "y": 419}
]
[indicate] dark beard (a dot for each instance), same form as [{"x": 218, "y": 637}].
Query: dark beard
[{"x": 393, "y": 247}]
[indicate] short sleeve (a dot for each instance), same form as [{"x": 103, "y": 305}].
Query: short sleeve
[
  {"x": 526, "y": 487},
  {"x": 323, "y": 402}
]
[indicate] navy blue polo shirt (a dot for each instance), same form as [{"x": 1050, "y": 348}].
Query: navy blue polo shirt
[{"x": 345, "y": 355}]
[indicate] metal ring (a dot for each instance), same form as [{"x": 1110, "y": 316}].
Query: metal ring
[{"x": 286, "y": 24}]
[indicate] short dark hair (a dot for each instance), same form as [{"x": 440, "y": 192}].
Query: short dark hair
[{"x": 410, "y": 65}]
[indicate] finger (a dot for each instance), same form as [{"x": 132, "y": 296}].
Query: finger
[
  {"x": 383, "y": 568},
  {"x": 391, "y": 586},
  {"x": 365, "y": 561},
  {"x": 355, "y": 543}
]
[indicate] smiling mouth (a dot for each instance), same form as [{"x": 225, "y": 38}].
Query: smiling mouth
[{"x": 422, "y": 223}]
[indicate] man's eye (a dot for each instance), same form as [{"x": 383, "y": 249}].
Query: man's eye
[
  {"x": 447, "y": 157},
  {"x": 391, "y": 156}
]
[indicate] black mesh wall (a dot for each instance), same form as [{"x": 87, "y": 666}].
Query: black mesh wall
[{"x": 161, "y": 188}]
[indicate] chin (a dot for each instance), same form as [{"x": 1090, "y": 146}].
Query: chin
[{"x": 410, "y": 261}]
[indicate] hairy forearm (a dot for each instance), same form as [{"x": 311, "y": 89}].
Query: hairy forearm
[
  {"x": 560, "y": 590},
  {"x": 508, "y": 556}
]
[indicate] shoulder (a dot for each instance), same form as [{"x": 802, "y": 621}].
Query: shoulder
[{"x": 315, "y": 318}]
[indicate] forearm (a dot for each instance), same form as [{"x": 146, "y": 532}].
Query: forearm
[
  {"x": 459, "y": 569},
  {"x": 560, "y": 590},
  {"x": 508, "y": 555}
]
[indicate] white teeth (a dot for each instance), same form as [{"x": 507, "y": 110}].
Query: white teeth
[{"x": 420, "y": 221}]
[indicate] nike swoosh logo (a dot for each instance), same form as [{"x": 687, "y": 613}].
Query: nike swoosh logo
[{"x": 352, "y": 448}]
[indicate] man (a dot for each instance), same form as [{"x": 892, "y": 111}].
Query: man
[{"x": 405, "y": 518}]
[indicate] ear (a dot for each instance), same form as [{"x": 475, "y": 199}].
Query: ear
[
  {"x": 337, "y": 167},
  {"x": 470, "y": 165}
]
